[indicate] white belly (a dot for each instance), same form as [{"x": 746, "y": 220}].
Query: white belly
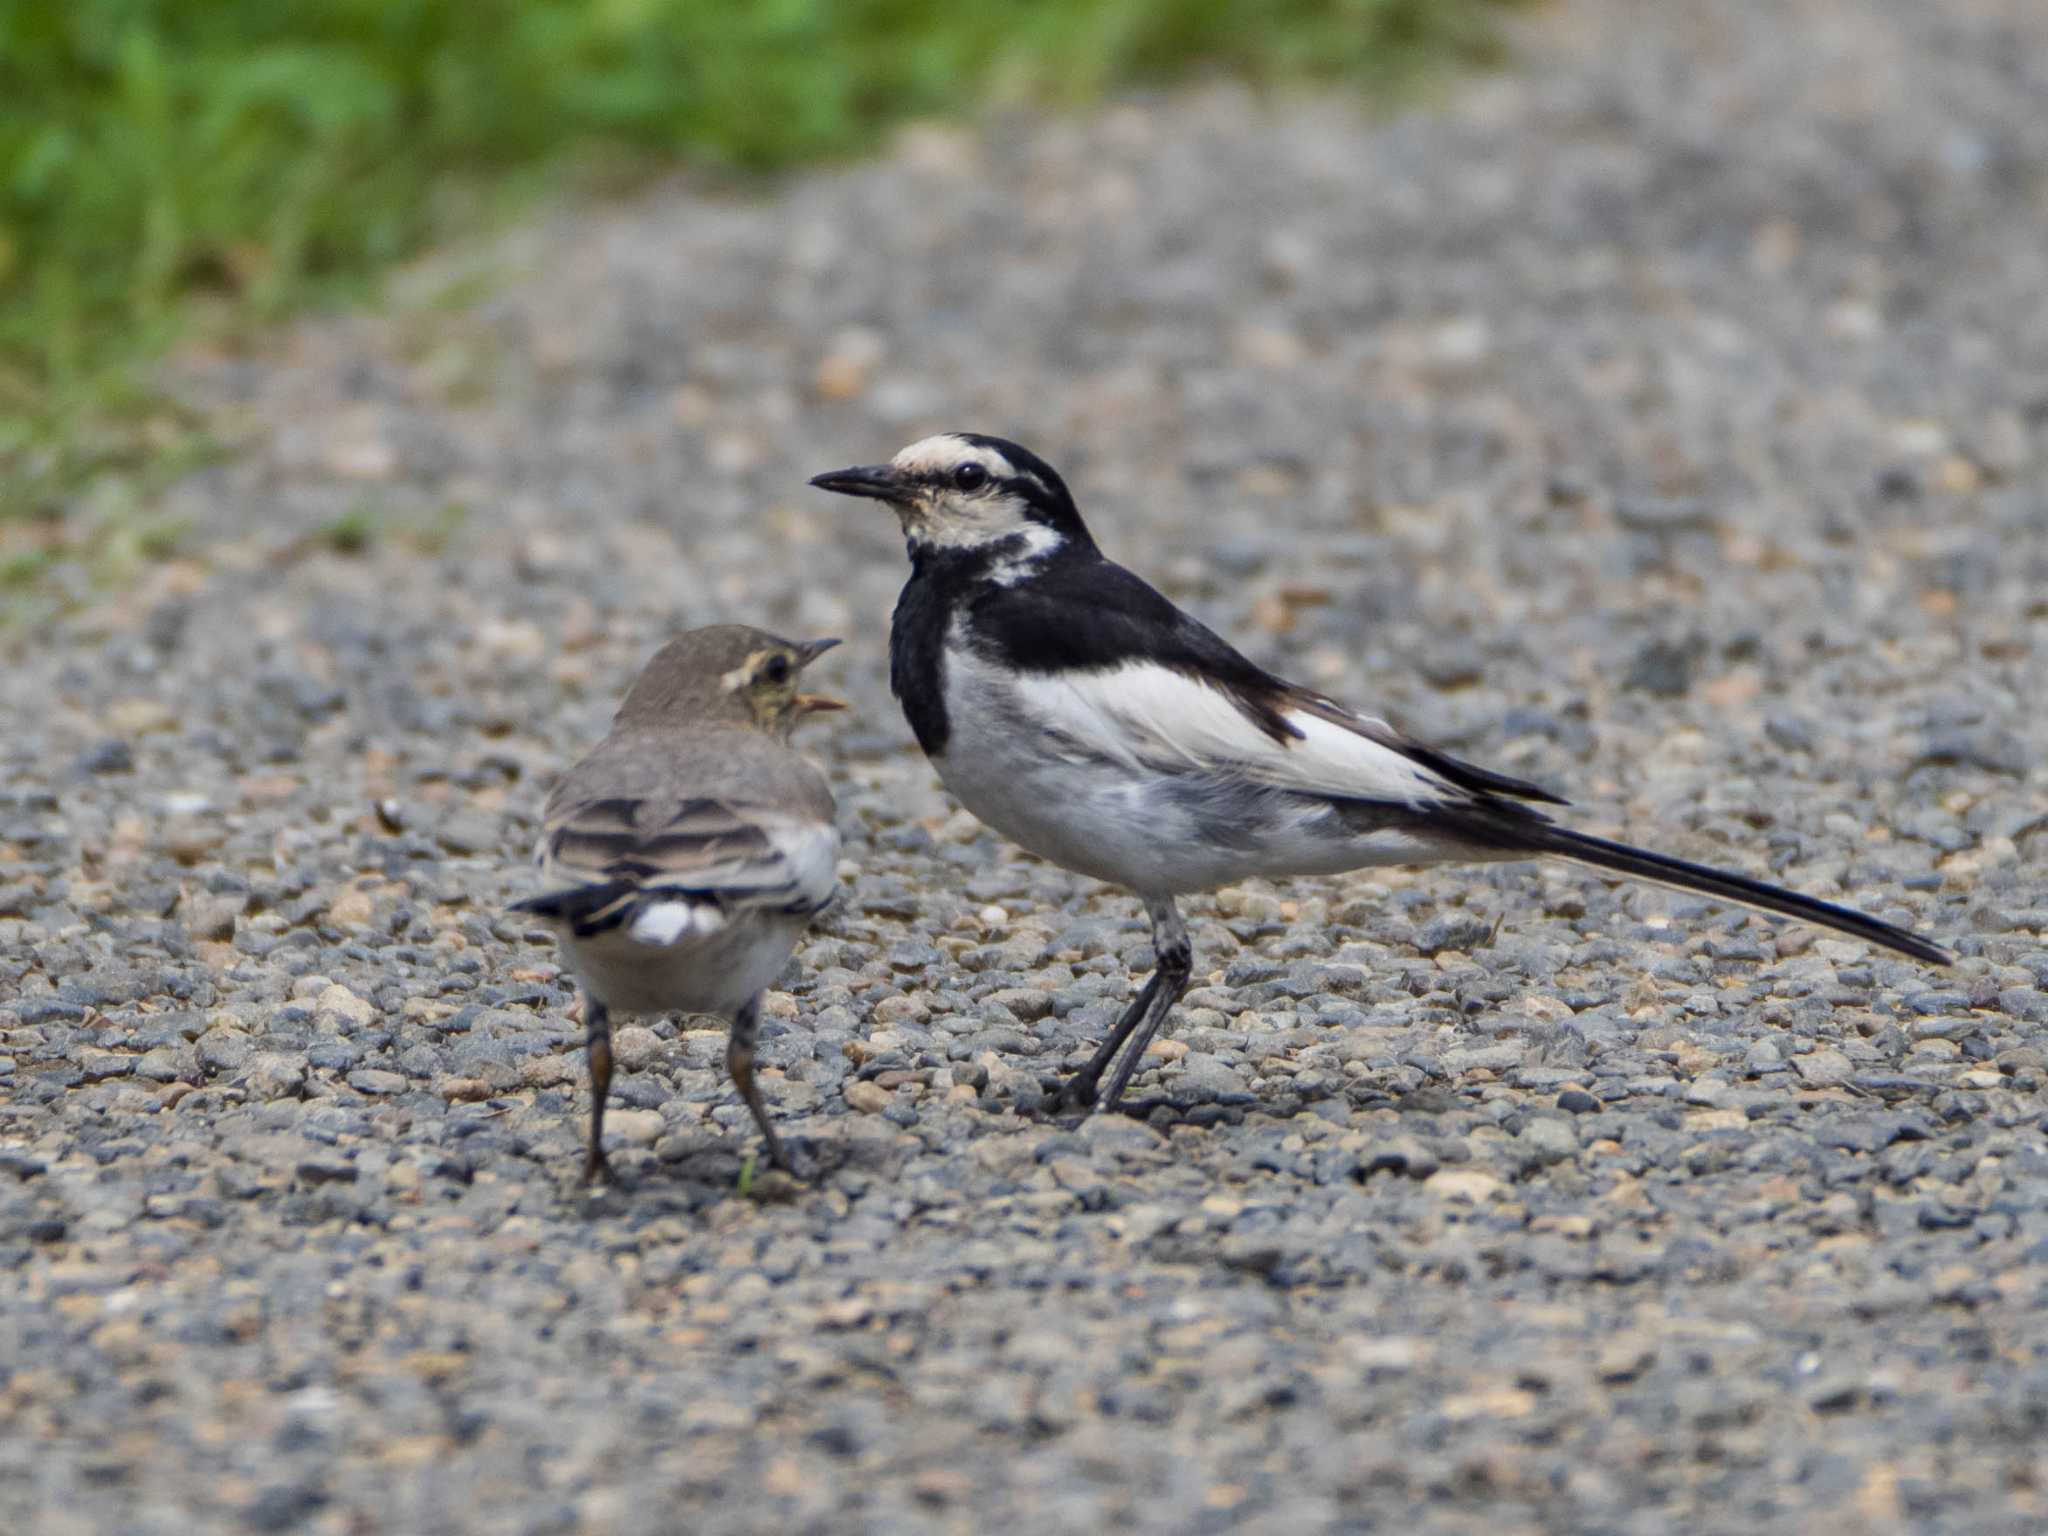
[
  {"x": 1155, "y": 832},
  {"x": 716, "y": 973}
]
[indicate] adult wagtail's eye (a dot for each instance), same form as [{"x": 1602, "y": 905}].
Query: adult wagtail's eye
[
  {"x": 970, "y": 477},
  {"x": 777, "y": 670}
]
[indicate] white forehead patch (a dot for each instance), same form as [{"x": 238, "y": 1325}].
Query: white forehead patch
[
  {"x": 948, "y": 451},
  {"x": 937, "y": 516}
]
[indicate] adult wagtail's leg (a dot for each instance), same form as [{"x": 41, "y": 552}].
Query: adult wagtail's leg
[{"x": 1140, "y": 1021}]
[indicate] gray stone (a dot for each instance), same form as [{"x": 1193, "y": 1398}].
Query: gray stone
[
  {"x": 270, "y": 1075},
  {"x": 1823, "y": 1068},
  {"x": 1202, "y": 1076},
  {"x": 1452, "y": 930},
  {"x": 1548, "y": 1139}
]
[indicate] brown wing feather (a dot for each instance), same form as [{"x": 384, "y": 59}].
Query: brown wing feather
[{"x": 651, "y": 840}]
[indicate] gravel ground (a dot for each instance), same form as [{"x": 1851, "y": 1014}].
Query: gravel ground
[{"x": 1664, "y": 421}]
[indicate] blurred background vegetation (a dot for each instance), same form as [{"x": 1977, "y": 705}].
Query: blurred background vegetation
[{"x": 179, "y": 167}]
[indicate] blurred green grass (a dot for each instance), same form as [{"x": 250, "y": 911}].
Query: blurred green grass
[{"x": 170, "y": 167}]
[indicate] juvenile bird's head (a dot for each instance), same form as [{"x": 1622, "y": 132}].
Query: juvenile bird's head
[
  {"x": 731, "y": 674},
  {"x": 968, "y": 493}
]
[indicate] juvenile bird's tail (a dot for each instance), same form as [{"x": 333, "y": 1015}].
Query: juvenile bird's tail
[
  {"x": 1661, "y": 869},
  {"x": 649, "y": 915}
]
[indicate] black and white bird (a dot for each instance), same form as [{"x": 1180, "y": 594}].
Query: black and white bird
[
  {"x": 1077, "y": 711},
  {"x": 689, "y": 850}
]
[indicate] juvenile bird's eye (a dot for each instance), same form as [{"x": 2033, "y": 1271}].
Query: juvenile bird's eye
[
  {"x": 776, "y": 670},
  {"x": 970, "y": 477}
]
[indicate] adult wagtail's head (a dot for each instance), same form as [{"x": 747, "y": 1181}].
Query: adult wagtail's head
[
  {"x": 728, "y": 674},
  {"x": 972, "y": 494}
]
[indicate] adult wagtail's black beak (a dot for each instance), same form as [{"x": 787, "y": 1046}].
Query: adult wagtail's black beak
[{"x": 878, "y": 481}]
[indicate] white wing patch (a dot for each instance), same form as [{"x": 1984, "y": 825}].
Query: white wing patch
[
  {"x": 666, "y": 922},
  {"x": 1146, "y": 714},
  {"x": 682, "y": 871},
  {"x": 799, "y": 867},
  {"x": 810, "y": 852}
]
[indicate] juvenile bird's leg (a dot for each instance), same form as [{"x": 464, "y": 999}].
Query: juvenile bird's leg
[
  {"x": 597, "y": 1045},
  {"x": 739, "y": 1061},
  {"x": 1174, "y": 965}
]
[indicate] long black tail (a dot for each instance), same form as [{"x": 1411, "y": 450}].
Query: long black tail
[{"x": 1660, "y": 869}]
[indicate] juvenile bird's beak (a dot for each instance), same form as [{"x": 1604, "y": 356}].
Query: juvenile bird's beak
[
  {"x": 879, "y": 482},
  {"x": 814, "y": 703}
]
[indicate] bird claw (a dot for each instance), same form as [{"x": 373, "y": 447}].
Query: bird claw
[
  {"x": 798, "y": 1170},
  {"x": 1075, "y": 1096},
  {"x": 791, "y": 1159}
]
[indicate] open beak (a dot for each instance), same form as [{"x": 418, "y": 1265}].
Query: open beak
[
  {"x": 814, "y": 703},
  {"x": 878, "y": 482}
]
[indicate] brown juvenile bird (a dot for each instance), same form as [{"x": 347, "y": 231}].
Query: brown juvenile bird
[{"x": 688, "y": 852}]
